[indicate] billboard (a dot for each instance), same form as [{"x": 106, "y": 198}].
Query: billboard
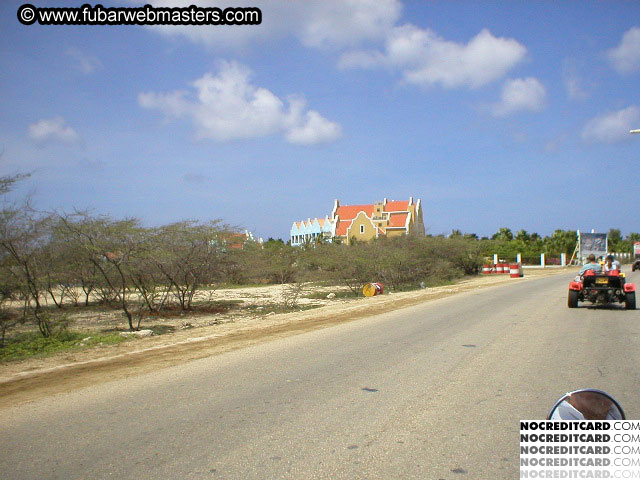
[
  {"x": 595, "y": 243},
  {"x": 636, "y": 249}
]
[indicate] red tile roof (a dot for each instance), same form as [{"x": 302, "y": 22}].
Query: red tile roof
[
  {"x": 236, "y": 240},
  {"x": 349, "y": 212},
  {"x": 341, "y": 228},
  {"x": 397, "y": 206},
  {"x": 397, "y": 220}
]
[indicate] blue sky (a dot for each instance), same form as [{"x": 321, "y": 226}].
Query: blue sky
[{"x": 492, "y": 113}]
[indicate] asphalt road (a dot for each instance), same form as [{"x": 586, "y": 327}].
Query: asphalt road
[{"x": 434, "y": 391}]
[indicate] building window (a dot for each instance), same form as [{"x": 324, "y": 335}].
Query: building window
[{"x": 361, "y": 228}]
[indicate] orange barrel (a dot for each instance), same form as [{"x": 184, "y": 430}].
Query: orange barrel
[
  {"x": 486, "y": 269},
  {"x": 499, "y": 268},
  {"x": 514, "y": 270},
  {"x": 372, "y": 289}
]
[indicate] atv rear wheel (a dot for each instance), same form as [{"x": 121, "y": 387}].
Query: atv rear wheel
[
  {"x": 630, "y": 301},
  {"x": 573, "y": 299}
]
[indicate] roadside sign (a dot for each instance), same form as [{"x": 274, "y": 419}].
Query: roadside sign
[{"x": 593, "y": 243}]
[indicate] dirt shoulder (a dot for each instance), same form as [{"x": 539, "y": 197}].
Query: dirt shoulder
[{"x": 31, "y": 379}]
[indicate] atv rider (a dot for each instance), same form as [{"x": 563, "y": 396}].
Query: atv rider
[
  {"x": 611, "y": 264},
  {"x": 591, "y": 265}
]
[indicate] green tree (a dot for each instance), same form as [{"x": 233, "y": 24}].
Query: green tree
[
  {"x": 111, "y": 246},
  {"x": 561, "y": 241},
  {"x": 523, "y": 236},
  {"x": 352, "y": 265},
  {"x": 189, "y": 256},
  {"x": 614, "y": 240},
  {"x": 633, "y": 237},
  {"x": 23, "y": 236},
  {"x": 275, "y": 262},
  {"x": 504, "y": 234}
]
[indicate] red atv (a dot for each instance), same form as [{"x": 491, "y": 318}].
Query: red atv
[{"x": 602, "y": 289}]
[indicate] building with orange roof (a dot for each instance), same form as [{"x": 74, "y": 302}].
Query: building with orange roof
[
  {"x": 236, "y": 240},
  {"x": 386, "y": 218},
  {"x": 363, "y": 222}
]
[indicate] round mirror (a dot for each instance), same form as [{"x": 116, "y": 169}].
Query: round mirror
[{"x": 586, "y": 404}]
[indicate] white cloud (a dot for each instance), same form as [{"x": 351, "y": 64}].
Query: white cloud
[
  {"x": 85, "y": 62},
  {"x": 575, "y": 87},
  {"x": 228, "y": 107},
  {"x": 423, "y": 57},
  {"x": 315, "y": 23},
  {"x": 340, "y": 23},
  {"x": 427, "y": 59},
  {"x": 612, "y": 127},
  {"x": 362, "y": 59},
  {"x": 54, "y": 129},
  {"x": 309, "y": 128},
  {"x": 625, "y": 58},
  {"x": 521, "y": 94}
]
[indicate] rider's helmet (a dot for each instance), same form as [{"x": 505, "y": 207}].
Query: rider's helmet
[{"x": 610, "y": 257}]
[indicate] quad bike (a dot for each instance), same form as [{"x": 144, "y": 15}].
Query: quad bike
[{"x": 602, "y": 289}]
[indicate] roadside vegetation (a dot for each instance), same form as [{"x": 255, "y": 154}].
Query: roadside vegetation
[
  {"x": 57, "y": 269},
  {"x": 32, "y": 344},
  {"x": 508, "y": 244}
]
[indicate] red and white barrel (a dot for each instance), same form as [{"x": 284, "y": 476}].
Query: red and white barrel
[
  {"x": 486, "y": 269},
  {"x": 499, "y": 268},
  {"x": 372, "y": 289},
  {"x": 514, "y": 270}
]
